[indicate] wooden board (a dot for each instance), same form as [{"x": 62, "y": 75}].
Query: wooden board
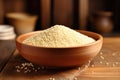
[
  {"x": 7, "y": 47},
  {"x": 1, "y": 12},
  {"x": 105, "y": 66},
  {"x": 83, "y": 13},
  {"x": 63, "y": 12},
  {"x": 15, "y": 71},
  {"x": 45, "y": 13}
]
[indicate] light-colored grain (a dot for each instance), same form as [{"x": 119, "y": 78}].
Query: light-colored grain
[
  {"x": 58, "y": 36},
  {"x": 102, "y": 57}
]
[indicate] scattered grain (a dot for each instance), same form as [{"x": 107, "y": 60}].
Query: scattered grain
[{"x": 26, "y": 68}]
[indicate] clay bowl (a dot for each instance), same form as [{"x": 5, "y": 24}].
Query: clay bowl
[{"x": 59, "y": 57}]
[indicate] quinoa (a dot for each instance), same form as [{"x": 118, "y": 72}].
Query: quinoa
[{"x": 58, "y": 36}]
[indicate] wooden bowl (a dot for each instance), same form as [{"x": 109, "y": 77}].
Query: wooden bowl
[
  {"x": 60, "y": 57},
  {"x": 23, "y": 22}
]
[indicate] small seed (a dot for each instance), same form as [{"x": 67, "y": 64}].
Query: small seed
[
  {"x": 101, "y": 53},
  {"x": 86, "y": 66},
  {"x": 21, "y": 67},
  {"x": 113, "y": 54},
  {"x": 75, "y": 78},
  {"x": 16, "y": 66},
  {"x": 25, "y": 68},
  {"x": 107, "y": 63},
  {"x": 101, "y": 62},
  {"x": 102, "y": 57},
  {"x": 51, "y": 78},
  {"x": 18, "y": 70},
  {"x": 79, "y": 68},
  {"x": 113, "y": 65},
  {"x": 35, "y": 70},
  {"x": 116, "y": 62},
  {"x": 92, "y": 65}
]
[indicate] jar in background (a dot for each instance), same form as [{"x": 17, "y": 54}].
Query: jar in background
[
  {"x": 7, "y": 32},
  {"x": 102, "y": 22},
  {"x": 22, "y": 22}
]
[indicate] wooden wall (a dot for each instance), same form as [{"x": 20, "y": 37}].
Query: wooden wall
[{"x": 72, "y": 13}]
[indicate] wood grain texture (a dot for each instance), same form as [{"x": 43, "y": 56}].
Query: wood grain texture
[
  {"x": 1, "y": 12},
  {"x": 14, "y": 6},
  {"x": 105, "y": 66},
  {"x": 7, "y": 47},
  {"x": 83, "y": 13},
  {"x": 63, "y": 12},
  {"x": 10, "y": 71},
  {"x": 19, "y": 5},
  {"x": 45, "y": 13}
]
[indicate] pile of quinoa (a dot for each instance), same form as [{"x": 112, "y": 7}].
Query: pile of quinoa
[{"x": 58, "y": 36}]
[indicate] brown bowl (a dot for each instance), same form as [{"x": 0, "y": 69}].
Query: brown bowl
[{"x": 60, "y": 57}]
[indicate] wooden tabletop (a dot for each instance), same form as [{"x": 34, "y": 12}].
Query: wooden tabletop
[{"x": 105, "y": 66}]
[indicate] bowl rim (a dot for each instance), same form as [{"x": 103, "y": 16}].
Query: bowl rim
[{"x": 100, "y": 38}]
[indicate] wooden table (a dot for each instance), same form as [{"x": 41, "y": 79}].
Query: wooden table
[{"x": 105, "y": 66}]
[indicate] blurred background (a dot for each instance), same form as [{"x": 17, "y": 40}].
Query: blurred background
[{"x": 101, "y": 16}]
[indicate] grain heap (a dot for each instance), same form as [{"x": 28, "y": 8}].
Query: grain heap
[{"x": 58, "y": 36}]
